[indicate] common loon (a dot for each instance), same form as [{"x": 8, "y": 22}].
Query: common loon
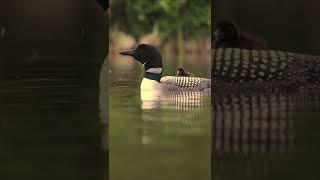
[
  {"x": 150, "y": 57},
  {"x": 263, "y": 70},
  {"x": 182, "y": 72}
]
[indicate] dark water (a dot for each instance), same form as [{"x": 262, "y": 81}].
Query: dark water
[
  {"x": 50, "y": 124},
  {"x": 51, "y": 53},
  {"x": 167, "y": 139},
  {"x": 266, "y": 136}
]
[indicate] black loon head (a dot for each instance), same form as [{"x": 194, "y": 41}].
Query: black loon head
[{"x": 146, "y": 54}]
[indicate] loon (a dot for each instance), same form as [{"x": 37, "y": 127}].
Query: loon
[
  {"x": 150, "y": 57},
  {"x": 182, "y": 72},
  {"x": 235, "y": 69}
]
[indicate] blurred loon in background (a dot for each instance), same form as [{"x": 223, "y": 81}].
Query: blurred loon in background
[{"x": 150, "y": 57}]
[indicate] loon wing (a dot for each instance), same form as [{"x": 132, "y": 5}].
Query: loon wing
[{"x": 187, "y": 82}]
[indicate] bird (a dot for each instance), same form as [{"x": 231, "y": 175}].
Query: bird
[
  {"x": 150, "y": 58},
  {"x": 235, "y": 69},
  {"x": 182, "y": 72},
  {"x": 228, "y": 35}
]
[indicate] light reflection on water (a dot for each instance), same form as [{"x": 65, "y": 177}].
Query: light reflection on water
[{"x": 157, "y": 139}]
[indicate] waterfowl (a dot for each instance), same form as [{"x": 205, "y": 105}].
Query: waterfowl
[
  {"x": 150, "y": 57},
  {"x": 182, "y": 72}
]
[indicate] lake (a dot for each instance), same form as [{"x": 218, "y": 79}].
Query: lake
[
  {"x": 253, "y": 135},
  {"x": 49, "y": 120},
  {"x": 51, "y": 127},
  {"x": 169, "y": 139}
]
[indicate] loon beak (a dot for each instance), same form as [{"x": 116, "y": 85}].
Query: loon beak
[{"x": 127, "y": 52}]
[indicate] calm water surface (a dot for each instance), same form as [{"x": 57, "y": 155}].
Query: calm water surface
[
  {"x": 168, "y": 139},
  {"x": 49, "y": 121},
  {"x": 248, "y": 136}
]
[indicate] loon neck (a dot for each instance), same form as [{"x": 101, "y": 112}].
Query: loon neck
[{"x": 153, "y": 74}]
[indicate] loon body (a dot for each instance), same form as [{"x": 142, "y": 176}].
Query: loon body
[
  {"x": 260, "y": 70},
  {"x": 150, "y": 57}
]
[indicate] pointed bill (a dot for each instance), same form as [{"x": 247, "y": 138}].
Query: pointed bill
[{"x": 129, "y": 52}]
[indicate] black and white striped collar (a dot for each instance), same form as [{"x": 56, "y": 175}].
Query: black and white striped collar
[{"x": 153, "y": 74}]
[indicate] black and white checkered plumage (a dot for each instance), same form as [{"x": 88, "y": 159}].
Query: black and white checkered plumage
[{"x": 263, "y": 69}]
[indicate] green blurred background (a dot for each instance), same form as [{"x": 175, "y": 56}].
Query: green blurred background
[{"x": 181, "y": 24}]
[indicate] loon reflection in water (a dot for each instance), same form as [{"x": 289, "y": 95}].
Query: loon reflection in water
[
  {"x": 261, "y": 99},
  {"x": 253, "y": 95}
]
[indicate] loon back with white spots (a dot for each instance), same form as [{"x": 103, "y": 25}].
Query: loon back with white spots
[
  {"x": 261, "y": 70},
  {"x": 150, "y": 57}
]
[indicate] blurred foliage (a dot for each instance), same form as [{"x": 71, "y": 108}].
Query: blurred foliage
[{"x": 166, "y": 17}]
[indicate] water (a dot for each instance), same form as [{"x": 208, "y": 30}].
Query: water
[
  {"x": 51, "y": 128},
  {"x": 253, "y": 136},
  {"x": 266, "y": 136},
  {"x": 49, "y": 121},
  {"x": 166, "y": 139},
  {"x": 51, "y": 54}
]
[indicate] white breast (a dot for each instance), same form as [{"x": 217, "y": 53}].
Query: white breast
[
  {"x": 148, "y": 84},
  {"x": 149, "y": 93}
]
